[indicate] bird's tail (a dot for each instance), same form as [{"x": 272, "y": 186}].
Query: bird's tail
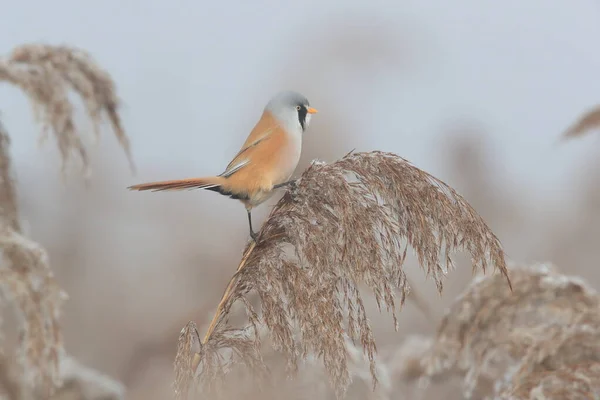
[{"x": 211, "y": 183}]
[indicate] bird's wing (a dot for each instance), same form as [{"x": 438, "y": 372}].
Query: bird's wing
[{"x": 262, "y": 131}]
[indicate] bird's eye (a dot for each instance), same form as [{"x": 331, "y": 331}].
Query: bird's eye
[{"x": 298, "y": 108}]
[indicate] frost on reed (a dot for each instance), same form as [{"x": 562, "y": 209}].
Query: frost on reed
[
  {"x": 309, "y": 380},
  {"x": 572, "y": 382},
  {"x": 341, "y": 226},
  {"x": 543, "y": 339},
  {"x": 83, "y": 383},
  {"x": 45, "y": 74}
]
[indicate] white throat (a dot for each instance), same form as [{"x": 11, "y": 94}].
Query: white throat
[{"x": 306, "y": 121}]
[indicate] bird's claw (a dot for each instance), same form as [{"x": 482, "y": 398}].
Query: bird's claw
[
  {"x": 291, "y": 184},
  {"x": 254, "y": 236}
]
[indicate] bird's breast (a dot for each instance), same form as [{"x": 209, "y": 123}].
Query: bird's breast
[
  {"x": 290, "y": 157},
  {"x": 271, "y": 162}
]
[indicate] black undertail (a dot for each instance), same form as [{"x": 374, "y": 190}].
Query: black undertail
[{"x": 235, "y": 196}]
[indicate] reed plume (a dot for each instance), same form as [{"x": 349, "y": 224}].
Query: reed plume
[
  {"x": 585, "y": 123},
  {"x": 571, "y": 382},
  {"x": 509, "y": 345},
  {"x": 45, "y": 74},
  {"x": 342, "y": 226}
]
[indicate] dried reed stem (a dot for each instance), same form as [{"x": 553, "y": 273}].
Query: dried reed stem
[{"x": 227, "y": 294}]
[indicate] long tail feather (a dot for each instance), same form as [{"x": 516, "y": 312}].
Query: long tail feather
[{"x": 181, "y": 184}]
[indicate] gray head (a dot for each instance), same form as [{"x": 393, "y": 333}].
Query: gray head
[{"x": 291, "y": 109}]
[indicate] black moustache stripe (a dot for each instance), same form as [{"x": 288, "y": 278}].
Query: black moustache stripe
[{"x": 302, "y": 116}]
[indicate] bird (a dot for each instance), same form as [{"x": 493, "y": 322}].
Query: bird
[{"x": 266, "y": 160}]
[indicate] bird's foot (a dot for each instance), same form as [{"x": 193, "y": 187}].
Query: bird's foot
[
  {"x": 254, "y": 236},
  {"x": 291, "y": 183}
]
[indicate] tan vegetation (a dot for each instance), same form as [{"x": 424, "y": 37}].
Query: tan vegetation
[
  {"x": 44, "y": 74},
  {"x": 506, "y": 345},
  {"x": 343, "y": 224}
]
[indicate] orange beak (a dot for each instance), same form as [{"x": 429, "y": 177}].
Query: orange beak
[{"x": 311, "y": 110}]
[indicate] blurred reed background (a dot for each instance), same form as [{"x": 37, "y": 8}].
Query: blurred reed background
[{"x": 476, "y": 93}]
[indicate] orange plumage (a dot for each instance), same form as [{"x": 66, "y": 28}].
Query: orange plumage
[{"x": 266, "y": 160}]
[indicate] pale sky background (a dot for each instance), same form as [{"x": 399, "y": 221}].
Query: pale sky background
[{"x": 194, "y": 76}]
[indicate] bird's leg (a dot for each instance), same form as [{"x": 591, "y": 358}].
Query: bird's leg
[
  {"x": 253, "y": 235},
  {"x": 291, "y": 182}
]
